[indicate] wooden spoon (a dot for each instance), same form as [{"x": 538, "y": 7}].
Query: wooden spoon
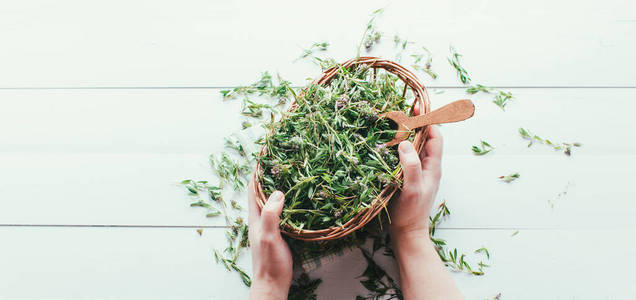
[{"x": 453, "y": 112}]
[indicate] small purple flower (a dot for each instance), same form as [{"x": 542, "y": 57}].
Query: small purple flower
[
  {"x": 342, "y": 101},
  {"x": 275, "y": 171},
  {"x": 382, "y": 149}
]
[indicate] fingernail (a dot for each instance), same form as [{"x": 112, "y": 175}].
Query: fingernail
[
  {"x": 276, "y": 196},
  {"x": 406, "y": 147}
]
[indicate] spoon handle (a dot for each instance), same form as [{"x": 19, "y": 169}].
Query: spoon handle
[{"x": 453, "y": 112}]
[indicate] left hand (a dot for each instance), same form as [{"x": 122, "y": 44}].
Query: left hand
[{"x": 271, "y": 258}]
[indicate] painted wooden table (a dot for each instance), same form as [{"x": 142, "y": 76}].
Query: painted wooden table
[{"x": 106, "y": 106}]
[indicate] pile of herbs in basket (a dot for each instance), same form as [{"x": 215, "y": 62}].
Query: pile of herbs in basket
[{"x": 327, "y": 154}]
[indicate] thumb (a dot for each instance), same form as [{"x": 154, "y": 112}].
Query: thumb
[
  {"x": 270, "y": 215},
  {"x": 411, "y": 165}
]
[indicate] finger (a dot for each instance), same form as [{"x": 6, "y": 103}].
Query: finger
[
  {"x": 270, "y": 215},
  {"x": 410, "y": 164},
  {"x": 254, "y": 212},
  {"x": 432, "y": 159}
]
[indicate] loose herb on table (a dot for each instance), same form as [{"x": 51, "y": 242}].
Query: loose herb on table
[
  {"x": 452, "y": 259},
  {"x": 315, "y": 47},
  {"x": 453, "y": 60},
  {"x": 502, "y": 98},
  {"x": 371, "y": 35},
  {"x": 483, "y": 149},
  {"x": 566, "y": 147},
  {"x": 400, "y": 44},
  {"x": 474, "y": 89},
  {"x": 427, "y": 57},
  {"x": 509, "y": 178}
]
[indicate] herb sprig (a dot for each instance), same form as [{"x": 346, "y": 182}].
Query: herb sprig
[
  {"x": 427, "y": 57},
  {"x": 483, "y": 149},
  {"x": 452, "y": 258},
  {"x": 454, "y": 61},
  {"x": 509, "y": 178},
  {"x": 371, "y": 35},
  {"x": 315, "y": 47},
  {"x": 501, "y": 98},
  {"x": 532, "y": 138}
]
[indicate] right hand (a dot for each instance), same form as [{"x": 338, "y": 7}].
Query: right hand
[{"x": 410, "y": 212}]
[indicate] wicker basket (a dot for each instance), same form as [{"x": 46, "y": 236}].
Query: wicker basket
[{"x": 380, "y": 203}]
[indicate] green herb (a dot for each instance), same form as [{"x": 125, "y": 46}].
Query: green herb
[
  {"x": 196, "y": 188},
  {"x": 474, "y": 89},
  {"x": 246, "y": 124},
  {"x": 509, "y": 178},
  {"x": 324, "y": 63},
  {"x": 401, "y": 45},
  {"x": 236, "y": 233},
  {"x": 428, "y": 59},
  {"x": 304, "y": 288},
  {"x": 234, "y": 144},
  {"x": 230, "y": 171},
  {"x": 370, "y": 36},
  {"x": 483, "y": 250},
  {"x": 315, "y": 47},
  {"x": 566, "y": 147},
  {"x": 327, "y": 155},
  {"x": 502, "y": 98},
  {"x": 373, "y": 37},
  {"x": 399, "y": 42},
  {"x": 264, "y": 86},
  {"x": 515, "y": 233},
  {"x": 456, "y": 262},
  {"x": 213, "y": 212},
  {"x": 483, "y": 149},
  {"x": 237, "y": 242},
  {"x": 453, "y": 60}
]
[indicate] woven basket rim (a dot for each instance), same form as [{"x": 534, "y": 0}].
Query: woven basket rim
[{"x": 380, "y": 203}]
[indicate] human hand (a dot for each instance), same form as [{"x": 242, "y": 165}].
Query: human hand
[
  {"x": 271, "y": 258},
  {"x": 410, "y": 212}
]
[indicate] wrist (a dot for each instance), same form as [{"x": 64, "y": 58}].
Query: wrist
[
  {"x": 406, "y": 242},
  {"x": 404, "y": 234},
  {"x": 264, "y": 289}
]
